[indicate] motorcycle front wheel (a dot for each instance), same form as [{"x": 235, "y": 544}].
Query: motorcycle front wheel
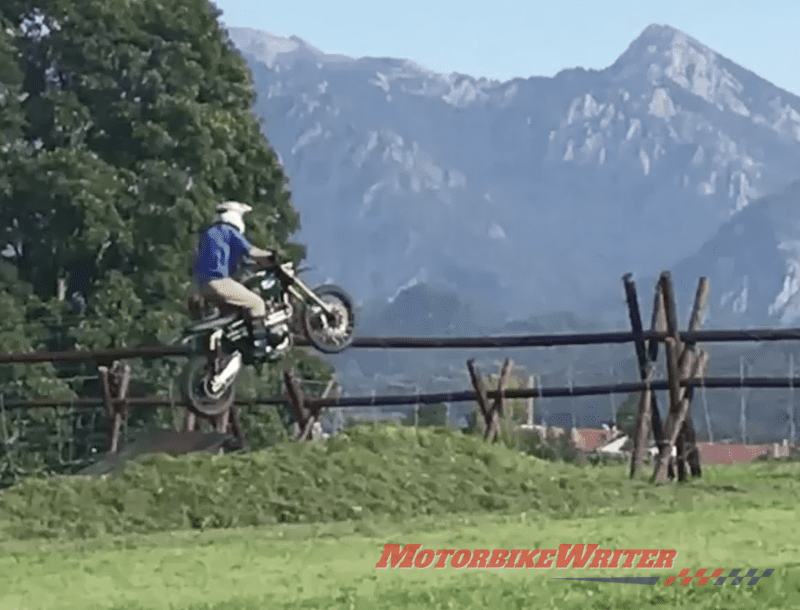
[
  {"x": 334, "y": 333},
  {"x": 197, "y": 392}
]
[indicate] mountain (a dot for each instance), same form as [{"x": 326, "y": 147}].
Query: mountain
[
  {"x": 452, "y": 205},
  {"x": 755, "y": 256},
  {"x": 537, "y": 193}
]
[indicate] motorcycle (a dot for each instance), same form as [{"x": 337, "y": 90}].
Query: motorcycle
[{"x": 222, "y": 343}]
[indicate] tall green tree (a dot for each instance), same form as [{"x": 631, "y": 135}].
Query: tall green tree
[
  {"x": 138, "y": 117},
  {"x": 122, "y": 124},
  {"x": 19, "y": 303}
]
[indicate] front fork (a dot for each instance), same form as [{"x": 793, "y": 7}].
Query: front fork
[
  {"x": 215, "y": 351},
  {"x": 221, "y": 376},
  {"x": 296, "y": 293}
]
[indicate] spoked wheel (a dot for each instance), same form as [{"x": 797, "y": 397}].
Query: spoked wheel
[
  {"x": 330, "y": 333},
  {"x": 197, "y": 391}
]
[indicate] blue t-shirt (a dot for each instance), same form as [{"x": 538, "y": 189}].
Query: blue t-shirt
[{"x": 219, "y": 250}]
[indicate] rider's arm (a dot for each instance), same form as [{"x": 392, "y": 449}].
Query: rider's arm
[{"x": 261, "y": 257}]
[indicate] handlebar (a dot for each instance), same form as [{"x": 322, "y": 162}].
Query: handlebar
[{"x": 249, "y": 262}]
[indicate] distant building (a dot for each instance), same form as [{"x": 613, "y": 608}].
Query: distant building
[
  {"x": 611, "y": 440},
  {"x": 725, "y": 453},
  {"x": 608, "y": 439}
]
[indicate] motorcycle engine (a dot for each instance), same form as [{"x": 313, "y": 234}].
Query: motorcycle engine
[{"x": 270, "y": 289}]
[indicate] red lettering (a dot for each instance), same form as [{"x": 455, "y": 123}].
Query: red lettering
[
  {"x": 544, "y": 558},
  {"x": 614, "y": 563},
  {"x": 497, "y": 558},
  {"x": 461, "y": 558},
  {"x": 479, "y": 557},
  {"x": 564, "y": 558},
  {"x": 424, "y": 558},
  {"x": 443, "y": 555},
  {"x": 512, "y": 558},
  {"x": 645, "y": 561},
  {"x": 526, "y": 558},
  {"x": 392, "y": 552},
  {"x": 665, "y": 558},
  {"x": 601, "y": 558},
  {"x": 631, "y": 553}
]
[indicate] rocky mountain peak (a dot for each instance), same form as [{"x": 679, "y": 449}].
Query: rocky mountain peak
[{"x": 540, "y": 192}]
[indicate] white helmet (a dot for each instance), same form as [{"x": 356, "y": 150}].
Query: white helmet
[{"x": 232, "y": 213}]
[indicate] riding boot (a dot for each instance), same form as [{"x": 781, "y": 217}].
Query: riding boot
[{"x": 259, "y": 330}]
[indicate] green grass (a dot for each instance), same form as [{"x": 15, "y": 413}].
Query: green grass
[
  {"x": 302, "y": 526},
  {"x": 333, "y": 565}
]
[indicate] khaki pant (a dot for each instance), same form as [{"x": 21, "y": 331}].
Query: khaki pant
[{"x": 231, "y": 292}]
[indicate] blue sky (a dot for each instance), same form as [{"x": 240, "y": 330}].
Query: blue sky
[{"x": 504, "y": 39}]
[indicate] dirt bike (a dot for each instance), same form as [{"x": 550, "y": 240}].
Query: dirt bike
[{"x": 222, "y": 342}]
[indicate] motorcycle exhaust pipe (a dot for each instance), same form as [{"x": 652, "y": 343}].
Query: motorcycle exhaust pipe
[{"x": 228, "y": 373}]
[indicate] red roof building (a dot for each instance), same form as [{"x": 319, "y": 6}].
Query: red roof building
[
  {"x": 723, "y": 453},
  {"x": 589, "y": 439}
]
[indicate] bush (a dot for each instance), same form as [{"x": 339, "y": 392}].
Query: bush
[{"x": 370, "y": 470}]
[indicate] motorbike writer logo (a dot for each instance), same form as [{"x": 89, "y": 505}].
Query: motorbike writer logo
[{"x": 566, "y": 556}]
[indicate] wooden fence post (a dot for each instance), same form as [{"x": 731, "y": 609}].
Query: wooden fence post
[
  {"x": 190, "y": 422},
  {"x": 682, "y": 363},
  {"x": 114, "y": 383},
  {"x": 305, "y": 414},
  {"x": 530, "y": 401},
  {"x": 491, "y": 413},
  {"x": 674, "y": 349},
  {"x": 316, "y": 411},
  {"x": 678, "y": 416},
  {"x": 498, "y": 406},
  {"x": 105, "y": 387},
  {"x": 647, "y": 416},
  {"x": 220, "y": 421},
  {"x": 684, "y": 357},
  {"x": 237, "y": 429},
  {"x": 225, "y": 422},
  {"x": 297, "y": 400},
  {"x": 688, "y": 437},
  {"x": 481, "y": 397},
  {"x": 658, "y": 322}
]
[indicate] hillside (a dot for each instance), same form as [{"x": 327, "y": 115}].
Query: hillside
[{"x": 381, "y": 472}]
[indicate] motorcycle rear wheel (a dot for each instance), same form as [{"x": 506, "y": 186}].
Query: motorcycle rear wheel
[{"x": 196, "y": 391}]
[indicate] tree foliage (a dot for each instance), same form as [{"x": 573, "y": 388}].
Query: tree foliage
[
  {"x": 136, "y": 119},
  {"x": 122, "y": 124},
  {"x": 627, "y": 413}
]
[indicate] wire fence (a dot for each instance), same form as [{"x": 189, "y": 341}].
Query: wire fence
[
  {"x": 77, "y": 410},
  {"x": 488, "y": 342},
  {"x": 85, "y": 417}
]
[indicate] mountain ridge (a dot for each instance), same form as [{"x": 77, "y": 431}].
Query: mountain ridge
[
  {"x": 539, "y": 191},
  {"x": 425, "y": 194}
]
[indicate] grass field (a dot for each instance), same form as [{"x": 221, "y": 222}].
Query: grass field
[{"x": 734, "y": 517}]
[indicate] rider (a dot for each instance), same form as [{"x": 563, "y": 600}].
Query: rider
[{"x": 220, "y": 249}]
